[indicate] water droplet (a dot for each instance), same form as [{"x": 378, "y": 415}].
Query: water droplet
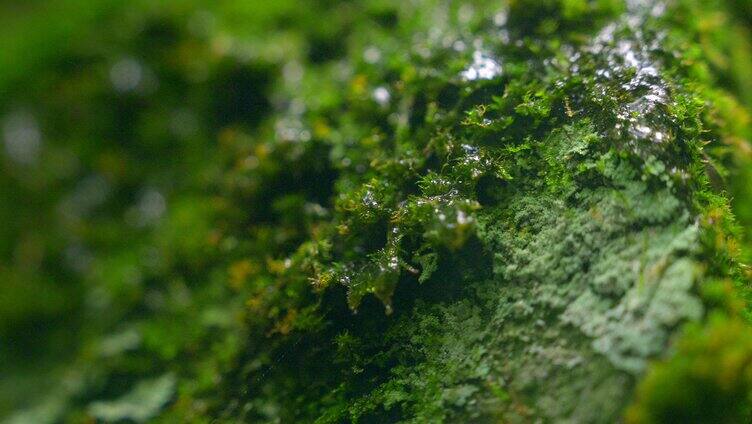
[
  {"x": 381, "y": 96},
  {"x": 370, "y": 200},
  {"x": 483, "y": 67},
  {"x": 627, "y": 68}
]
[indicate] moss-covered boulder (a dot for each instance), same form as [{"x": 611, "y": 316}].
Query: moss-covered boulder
[{"x": 400, "y": 212}]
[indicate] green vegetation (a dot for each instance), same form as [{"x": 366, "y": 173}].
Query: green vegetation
[{"x": 376, "y": 211}]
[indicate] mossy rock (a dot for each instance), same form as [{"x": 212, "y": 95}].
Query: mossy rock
[{"x": 424, "y": 212}]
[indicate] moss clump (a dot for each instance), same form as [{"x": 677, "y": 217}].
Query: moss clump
[
  {"x": 706, "y": 381},
  {"x": 578, "y": 165}
]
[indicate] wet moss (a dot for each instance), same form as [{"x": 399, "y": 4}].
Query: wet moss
[{"x": 433, "y": 211}]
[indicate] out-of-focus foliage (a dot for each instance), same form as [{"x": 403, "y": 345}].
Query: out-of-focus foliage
[
  {"x": 140, "y": 171},
  {"x": 723, "y": 33},
  {"x": 373, "y": 210}
]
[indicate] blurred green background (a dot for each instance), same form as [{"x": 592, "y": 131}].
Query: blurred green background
[
  {"x": 129, "y": 129},
  {"x": 148, "y": 150}
]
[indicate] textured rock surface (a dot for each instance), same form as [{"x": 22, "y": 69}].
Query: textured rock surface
[{"x": 576, "y": 172}]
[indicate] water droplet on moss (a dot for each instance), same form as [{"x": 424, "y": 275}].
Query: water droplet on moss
[
  {"x": 484, "y": 67},
  {"x": 381, "y": 96}
]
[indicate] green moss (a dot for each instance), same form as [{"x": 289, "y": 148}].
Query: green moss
[
  {"x": 706, "y": 381},
  {"x": 424, "y": 212}
]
